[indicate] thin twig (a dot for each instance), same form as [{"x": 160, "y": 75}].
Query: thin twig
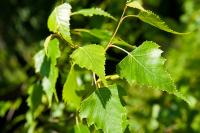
[{"x": 118, "y": 25}]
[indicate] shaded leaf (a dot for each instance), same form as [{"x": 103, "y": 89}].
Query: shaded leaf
[
  {"x": 185, "y": 97},
  {"x": 49, "y": 84},
  {"x": 4, "y": 107},
  {"x": 58, "y": 21},
  {"x": 105, "y": 36},
  {"x": 98, "y": 33},
  {"x": 35, "y": 96},
  {"x": 91, "y": 57},
  {"x": 104, "y": 109},
  {"x": 93, "y": 11},
  {"x": 69, "y": 89},
  {"x": 145, "y": 66}
]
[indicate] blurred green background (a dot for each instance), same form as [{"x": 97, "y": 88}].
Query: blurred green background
[{"x": 23, "y": 29}]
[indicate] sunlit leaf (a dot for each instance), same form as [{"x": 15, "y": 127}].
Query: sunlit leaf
[
  {"x": 145, "y": 66},
  {"x": 91, "y": 57},
  {"x": 39, "y": 59},
  {"x": 46, "y": 43},
  {"x": 58, "y": 21},
  {"x": 135, "y": 4}
]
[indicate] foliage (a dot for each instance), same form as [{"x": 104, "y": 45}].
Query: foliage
[
  {"x": 93, "y": 11},
  {"x": 69, "y": 89},
  {"x": 58, "y": 22},
  {"x": 146, "y": 68},
  {"x": 88, "y": 78},
  {"x": 103, "y": 108}
]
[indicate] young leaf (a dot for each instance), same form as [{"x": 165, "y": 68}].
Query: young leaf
[
  {"x": 69, "y": 89},
  {"x": 58, "y": 21},
  {"x": 93, "y": 11},
  {"x": 104, "y": 109},
  {"x": 91, "y": 57},
  {"x": 144, "y": 65}
]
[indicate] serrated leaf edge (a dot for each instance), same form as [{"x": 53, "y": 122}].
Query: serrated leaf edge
[
  {"x": 149, "y": 86},
  {"x": 92, "y": 14}
]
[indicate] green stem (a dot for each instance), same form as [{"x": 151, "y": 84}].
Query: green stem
[
  {"x": 117, "y": 28},
  {"x": 114, "y": 46},
  {"x": 128, "y": 16},
  {"x": 110, "y": 77},
  {"x": 95, "y": 81}
]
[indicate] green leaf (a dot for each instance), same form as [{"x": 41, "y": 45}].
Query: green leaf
[
  {"x": 145, "y": 66},
  {"x": 104, "y": 109},
  {"x": 98, "y": 33},
  {"x": 105, "y": 36},
  {"x": 69, "y": 89},
  {"x": 38, "y": 60},
  {"x": 46, "y": 65},
  {"x": 46, "y": 43},
  {"x": 154, "y": 20},
  {"x": 80, "y": 128},
  {"x": 35, "y": 96},
  {"x": 185, "y": 97},
  {"x": 58, "y": 21},
  {"x": 135, "y": 4},
  {"x": 53, "y": 51},
  {"x": 93, "y": 11},
  {"x": 4, "y": 107},
  {"x": 151, "y": 18},
  {"x": 91, "y": 57},
  {"x": 42, "y": 63}
]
